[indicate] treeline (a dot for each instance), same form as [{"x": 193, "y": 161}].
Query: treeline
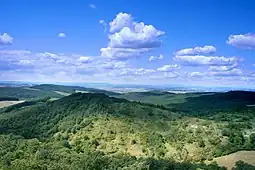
[
  {"x": 9, "y": 99},
  {"x": 23, "y": 93},
  {"x": 26, "y": 103},
  {"x": 18, "y": 153}
]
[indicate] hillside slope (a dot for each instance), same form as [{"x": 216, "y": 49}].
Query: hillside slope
[
  {"x": 100, "y": 132},
  {"x": 25, "y": 93},
  {"x": 198, "y": 103},
  {"x": 70, "y": 89}
]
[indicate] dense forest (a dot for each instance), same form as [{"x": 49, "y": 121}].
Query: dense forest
[{"x": 95, "y": 131}]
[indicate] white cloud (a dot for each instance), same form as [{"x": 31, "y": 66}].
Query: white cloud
[
  {"x": 153, "y": 58},
  {"x": 197, "y": 50},
  {"x": 233, "y": 72},
  {"x": 242, "y": 41},
  {"x": 129, "y": 38},
  {"x": 167, "y": 68},
  {"x": 5, "y": 39},
  {"x": 84, "y": 59},
  {"x": 25, "y": 62},
  {"x": 196, "y": 74},
  {"x": 199, "y": 60},
  {"x": 48, "y": 55},
  {"x": 52, "y": 67},
  {"x": 135, "y": 71},
  {"x": 141, "y": 36},
  {"x": 62, "y": 35},
  {"x": 122, "y": 53},
  {"x": 92, "y": 6},
  {"x": 112, "y": 64},
  {"x": 122, "y": 20}
]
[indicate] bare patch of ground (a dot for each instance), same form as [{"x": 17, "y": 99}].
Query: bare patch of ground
[{"x": 230, "y": 160}]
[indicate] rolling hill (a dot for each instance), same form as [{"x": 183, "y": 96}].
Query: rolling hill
[
  {"x": 95, "y": 131},
  {"x": 45, "y": 90}
]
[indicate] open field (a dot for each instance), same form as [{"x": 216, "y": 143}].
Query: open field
[
  {"x": 81, "y": 91},
  {"x": 62, "y": 93},
  {"x": 9, "y": 103},
  {"x": 230, "y": 160}
]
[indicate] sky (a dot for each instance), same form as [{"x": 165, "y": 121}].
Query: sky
[{"x": 208, "y": 43}]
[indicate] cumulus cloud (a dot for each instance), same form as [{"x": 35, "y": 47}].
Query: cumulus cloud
[
  {"x": 128, "y": 36},
  {"x": 44, "y": 66},
  {"x": 92, "y": 6},
  {"x": 120, "y": 21},
  {"x": 167, "y": 68},
  {"x": 5, "y": 39},
  {"x": 199, "y": 60},
  {"x": 141, "y": 36},
  {"x": 61, "y": 35},
  {"x": 153, "y": 58},
  {"x": 242, "y": 41},
  {"x": 197, "y": 50}
]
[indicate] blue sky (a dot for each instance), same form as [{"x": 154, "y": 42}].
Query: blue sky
[{"x": 129, "y": 41}]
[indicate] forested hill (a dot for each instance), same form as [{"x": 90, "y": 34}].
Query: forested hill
[
  {"x": 94, "y": 131},
  {"x": 42, "y": 120},
  {"x": 71, "y": 89},
  {"x": 196, "y": 103},
  {"x": 47, "y": 90}
]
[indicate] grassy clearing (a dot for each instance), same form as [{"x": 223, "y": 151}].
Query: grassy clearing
[
  {"x": 81, "y": 91},
  {"x": 62, "y": 93},
  {"x": 230, "y": 160},
  {"x": 9, "y": 103},
  {"x": 30, "y": 88}
]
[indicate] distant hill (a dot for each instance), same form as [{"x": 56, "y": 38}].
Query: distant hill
[
  {"x": 71, "y": 89},
  {"x": 79, "y": 104},
  {"x": 46, "y": 90},
  {"x": 25, "y": 93},
  {"x": 197, "y": 102}
]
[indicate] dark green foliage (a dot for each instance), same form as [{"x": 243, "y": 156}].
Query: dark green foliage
[
  {"x": 26, "y": 93},
  {"x": 26, "y": 103},
  {"x": 240, "y": 165},
  {"x": 70, "y": 89},
  {"x": 9, "y": 99}
]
